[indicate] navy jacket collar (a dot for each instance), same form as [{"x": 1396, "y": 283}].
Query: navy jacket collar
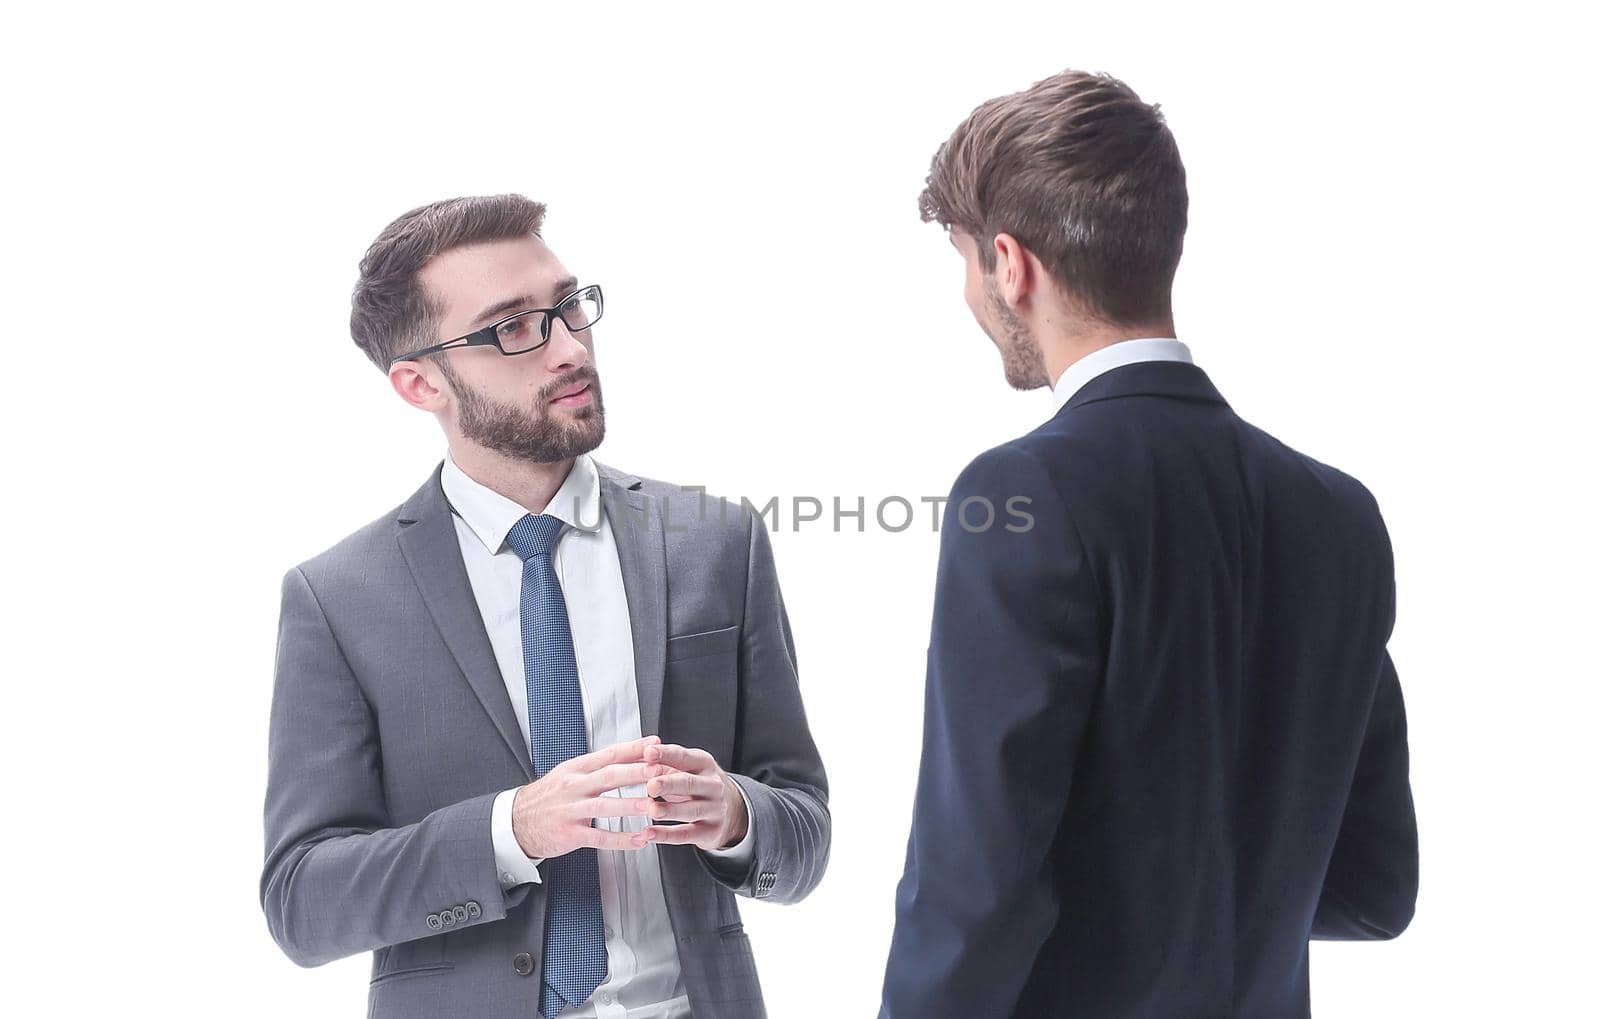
[{"x": 1175, "y": 379}]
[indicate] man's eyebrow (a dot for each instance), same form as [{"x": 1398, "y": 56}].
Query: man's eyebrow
[{"x": 562, "y": 289}]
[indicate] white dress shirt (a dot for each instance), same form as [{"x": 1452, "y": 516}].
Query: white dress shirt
[
  {"x": 1098, "y": 362},
  {"x": 643, "y": 981}
]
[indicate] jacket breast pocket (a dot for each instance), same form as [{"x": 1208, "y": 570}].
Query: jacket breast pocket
[
  {"x": 700, "y": 645},
  {"x": 701, "y": 698}
]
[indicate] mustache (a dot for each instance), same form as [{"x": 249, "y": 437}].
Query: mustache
[{"x": 548, "y": 391}]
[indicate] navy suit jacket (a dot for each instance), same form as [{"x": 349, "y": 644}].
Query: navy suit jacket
[{"x": 1164, "y": 743}]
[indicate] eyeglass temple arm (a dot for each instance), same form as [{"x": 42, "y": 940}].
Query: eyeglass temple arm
[{"x": 470, "y": 340}]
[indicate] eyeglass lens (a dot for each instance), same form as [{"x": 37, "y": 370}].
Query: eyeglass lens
[{"x": 522, "y": 332}]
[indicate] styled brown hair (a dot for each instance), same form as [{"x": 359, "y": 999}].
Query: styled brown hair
[
  {"x": 1086, "y": 176},
  {"x": 390, "y": 311}
]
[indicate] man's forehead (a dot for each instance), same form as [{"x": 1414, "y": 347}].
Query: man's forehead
[{"x": 469, "y": 280}]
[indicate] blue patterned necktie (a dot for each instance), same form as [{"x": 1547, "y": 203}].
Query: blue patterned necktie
[{"x": 574, "y": 934}]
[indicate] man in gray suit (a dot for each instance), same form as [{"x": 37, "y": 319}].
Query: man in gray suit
[{"x": 533, "y": 729}]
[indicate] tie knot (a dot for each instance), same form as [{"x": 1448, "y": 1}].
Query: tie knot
[{"x": 534, "y": 535}]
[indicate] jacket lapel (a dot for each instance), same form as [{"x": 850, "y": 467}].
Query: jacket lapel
[
  {"x": 428, "y": 542},
  {"x": 641, "y": 551}
]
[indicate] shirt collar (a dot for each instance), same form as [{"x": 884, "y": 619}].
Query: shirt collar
[
  {"x": 1115, "y": 355},
  {"x": 491, "y": 515}
]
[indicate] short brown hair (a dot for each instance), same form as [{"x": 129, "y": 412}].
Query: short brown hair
[
  {"x": 390, "y": 311},
  {"x": 1086, "y": 176}
]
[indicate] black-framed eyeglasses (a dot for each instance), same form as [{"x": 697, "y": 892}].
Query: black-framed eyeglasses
[{"x": 526, "y": 330}]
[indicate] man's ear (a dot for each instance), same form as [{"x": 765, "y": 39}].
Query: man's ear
[
  {"x": 415, "y": 387},
  {"x": 1016, "y": 271}
]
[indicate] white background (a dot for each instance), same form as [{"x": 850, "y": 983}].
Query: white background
[{"x": 1390, "y": 265}]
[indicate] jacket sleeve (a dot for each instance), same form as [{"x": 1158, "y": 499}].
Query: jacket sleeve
[
  {"x": 775, "y": 761},
  {"x": 1014, "y": 665},
  {"x": 1370, "y": 890},
  {"x": 337, "y": 879}
]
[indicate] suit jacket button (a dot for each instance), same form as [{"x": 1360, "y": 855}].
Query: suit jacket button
[
  {"x": 460, "y": 913},
  {"x": 473, "y": 910},
  {"x": 522, "y": 962},
  {"x": 434, "y": 923}
]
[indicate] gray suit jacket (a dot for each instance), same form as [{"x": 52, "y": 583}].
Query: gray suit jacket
[{"x": 391, "y": 733}]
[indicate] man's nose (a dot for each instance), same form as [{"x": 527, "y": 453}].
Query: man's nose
[{"x": 566, "y": 351}]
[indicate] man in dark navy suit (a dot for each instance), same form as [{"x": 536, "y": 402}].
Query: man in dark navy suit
[{"x": 1164, "y": 743}]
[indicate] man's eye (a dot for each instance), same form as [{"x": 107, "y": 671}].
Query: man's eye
[{"x": 513, "y": 329}]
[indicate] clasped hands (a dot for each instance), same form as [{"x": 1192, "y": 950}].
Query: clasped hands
[{"x": 550, "y": 816}]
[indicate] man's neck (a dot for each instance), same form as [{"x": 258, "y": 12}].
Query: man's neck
[
  {"x": 1070, "y": 347},
  {"x": 528, "y": 484}
]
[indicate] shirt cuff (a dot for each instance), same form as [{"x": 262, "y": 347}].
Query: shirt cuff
[
  {"x": 514, "y": 866},
  {"x": 744, "y": 850}
]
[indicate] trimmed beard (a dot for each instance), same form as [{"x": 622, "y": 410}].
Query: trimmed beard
[
  {"x": 537, "y": 436},
  {"x": 1020, "y": 356}
]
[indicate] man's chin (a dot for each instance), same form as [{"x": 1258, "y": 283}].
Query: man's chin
[
  {"x": 1024, "y": 377},
  {"x": 1028, "y": 384},
  {"x": 587, "y": 433}
]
